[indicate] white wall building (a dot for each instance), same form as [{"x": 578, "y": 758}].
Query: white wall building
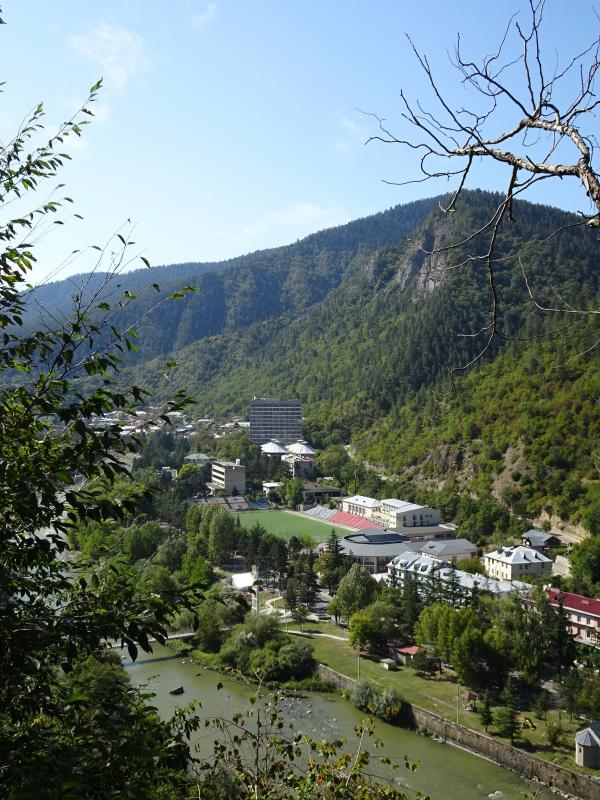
[
  {"x": 398, "y": 514},
  {"x": 229, "y": 477},
  {"x": 422, "y": 567},
  {"x": 361, "y": 506},
  {"x": 516, "y": 563}
]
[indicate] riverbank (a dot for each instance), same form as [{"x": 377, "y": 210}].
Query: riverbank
[
  {"x": 480, "y": 744},
  {"x": 444, "y": 697},
  {"x": 517, "y": 759},
  {"x": 446, "y": 773}
]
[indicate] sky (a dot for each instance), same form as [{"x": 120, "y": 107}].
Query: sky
[{"x": 230, "y": 126}]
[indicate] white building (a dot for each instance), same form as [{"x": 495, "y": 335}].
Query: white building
[
  {"x": 361, "y": 506},
  {"x": 228, "y": 477},
  {"x": 516, "y": 563},
  {"x": 421, "y": 567},
  {"x": 398, "y": 514}
]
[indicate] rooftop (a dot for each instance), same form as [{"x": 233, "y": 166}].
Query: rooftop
[
  {"x": 401, "y": 505},
  {"x": 301, "y": 448},
  {"x": 589, "y": 736},
  {"x": 575, "y": 602},
  {"x": 273, "y": 447},
  {"x": 373, "y": 542},
  {"x": 360, "y": 500},
  {"x": 518, "y": 555},
  {"x": 539, "y": 538},
  {"x": 448, "y": 547}
]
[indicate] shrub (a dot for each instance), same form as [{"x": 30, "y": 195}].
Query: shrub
[{"x": 364, "y": 696}]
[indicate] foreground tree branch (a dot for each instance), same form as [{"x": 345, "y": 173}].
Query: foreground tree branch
[{"x": 550, "y": 110}]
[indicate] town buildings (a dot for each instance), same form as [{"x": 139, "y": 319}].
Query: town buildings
[
  {"x": 540, "y": 540},
  {"x": 417, "y": 523},
  {"x": 197, "y": 459},
  {"x": 516, "y": 563},
  {"x": 272, "y": 418},
  {"x": 313, "y": 493},
  {"x": 424, "y": 568},
  {"x": 583, "y": 615},
  {"x": 228, "y": 477},
  {"x": 392, "y": 513},
  {"x": 451, "y": 551},
  {"x": 372, "y": 548},
  {"x": 360, "y": 506}
]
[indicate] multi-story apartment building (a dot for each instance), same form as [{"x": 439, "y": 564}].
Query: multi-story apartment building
[
  {"x": 399, "y": 514},
  {"x": 228, "y": 477},
  {"x": 272, "y": 418},
  {"x": 516, "y": 563},
  {"x": 361, "y": 506},
  {"x": 583, "y": 614}
]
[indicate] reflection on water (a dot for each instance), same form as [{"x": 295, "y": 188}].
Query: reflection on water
[{"x": 446, "y": 772}]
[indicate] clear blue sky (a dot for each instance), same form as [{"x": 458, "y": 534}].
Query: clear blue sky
[{"x": 230, "y": 126}]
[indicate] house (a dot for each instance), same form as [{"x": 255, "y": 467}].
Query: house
[
  {"x": 406, "y": 654},
  {"x": 540, "y": 540},
  {"x": 228, "y": 477},
  {"x": 271, "y": 486},
  {"x": 313, "y": 493},
  {"x": 587, "y": 746},
  {"x": 516, "y": 563},
  {"x": 398, "y": 514},
  {"x": 299, "y": 466},
  {"x": 197, "y": 459},
  {"x": 360, "y": 506},
  {"x": 583, "y": 614},
  {"x": 451, "y": 551}
]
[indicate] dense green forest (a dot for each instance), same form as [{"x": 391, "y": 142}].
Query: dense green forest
[{"x": 365, "y": 323}]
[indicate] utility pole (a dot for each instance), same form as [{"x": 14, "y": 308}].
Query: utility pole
[{"x": 457, "y": 697}]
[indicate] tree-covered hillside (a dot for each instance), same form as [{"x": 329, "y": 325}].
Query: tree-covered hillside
[
  {"x": 234, "y": 294},
  {"x": 366, "y": 332}
]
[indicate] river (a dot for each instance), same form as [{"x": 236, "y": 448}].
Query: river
[{"x": 446, "y": 772}]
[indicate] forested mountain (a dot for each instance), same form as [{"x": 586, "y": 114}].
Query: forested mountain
[
  {"x": 364, "y": 324},
  {"x": 232, "y": 295}
]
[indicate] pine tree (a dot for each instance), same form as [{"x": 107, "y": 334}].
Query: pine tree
[
  {"x": 507, "y": 716},
  {"x": 411, "y": 608},
  {"x": 485, "y": 711},
  {"x": 453, "y": 590}
]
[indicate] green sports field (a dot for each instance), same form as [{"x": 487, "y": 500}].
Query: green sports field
[{"x": 283, "y": 524}]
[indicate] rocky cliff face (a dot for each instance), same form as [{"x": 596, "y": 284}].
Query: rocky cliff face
[
  {"x": 425, "y": 260},
  {"x": 420, "y": 264}
]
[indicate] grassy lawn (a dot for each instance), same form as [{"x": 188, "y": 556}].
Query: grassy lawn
[
  {"x": 286, "y": 525},
  {"x": 440, "y": 695},
  {"x": 322, "y": 627}
]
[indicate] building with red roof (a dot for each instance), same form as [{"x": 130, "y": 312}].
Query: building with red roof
[{"x": 583, "y": 614}]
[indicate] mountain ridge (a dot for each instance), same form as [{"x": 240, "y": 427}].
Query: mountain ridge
[{"x": 367, "y": 334}]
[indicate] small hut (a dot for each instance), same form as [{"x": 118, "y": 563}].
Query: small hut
[{"x": 587, "y": 746}]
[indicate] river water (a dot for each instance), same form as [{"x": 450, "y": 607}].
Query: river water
[{"x": 445, "y": 773}]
